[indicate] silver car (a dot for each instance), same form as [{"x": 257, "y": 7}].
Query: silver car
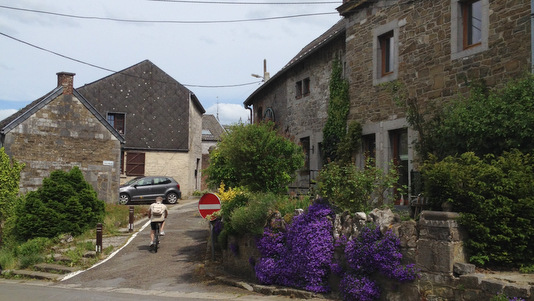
[{"x": 147, "y": 189}]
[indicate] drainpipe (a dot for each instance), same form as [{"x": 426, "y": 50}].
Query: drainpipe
[{"x": 250, "y": 109}]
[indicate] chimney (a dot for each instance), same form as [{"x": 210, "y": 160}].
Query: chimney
[{"x": 66, "y": 79}]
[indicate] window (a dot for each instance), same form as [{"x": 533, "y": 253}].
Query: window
[
  {"x": 259, "y": 114},
  {"x": 369, "y": 146},
  {"x": 298, "y": 89},
  {"x": 469, "y": 27},
  {"x": 385, "y": 52},
  {"x": 116, "y": 120},
  {"x": 302, "y": 88},
  {"x": 306, "y": 87},
  {"x": 135, "y": 164},
  {"x": 305, "y": 143},
  {"x": 269, "y": 114},
  {"x": 472, "y": 23},
  {"x": 399, "y": 145}
]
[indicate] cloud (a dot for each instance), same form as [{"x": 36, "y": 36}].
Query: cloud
[
  {"x": 6, "y": 113},
  {"x": 229, "y": 113}
]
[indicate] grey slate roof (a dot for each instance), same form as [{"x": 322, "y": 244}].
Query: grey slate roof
[
  {"x": 312, "y": 47},
  {"x": 212, "y": 130},
  {"x": 155, "y": 105},
  {"x": 21, "y": 115}
]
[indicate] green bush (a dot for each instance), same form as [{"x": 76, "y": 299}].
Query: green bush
[
  {"x": 32, "y": 251},
  {"x": 495, "y": 199},
  {"x": 65, "y": 203},
  {"x": 251, "y": 218},
  {"x": 353, "y": 189},
  {"x": 487, "y": 122},
  {"x": 7, "y": 259},
  {"x": 255, "y": 156}
]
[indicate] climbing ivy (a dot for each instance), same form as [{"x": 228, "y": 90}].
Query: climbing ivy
[
  {"x": 9, "y": 183},
  {"x": 335, "y": 127}
]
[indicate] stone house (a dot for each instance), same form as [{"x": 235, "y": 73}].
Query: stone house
[
  {"x": 59, "y": 131},
  {"x": 212, "y": 132},
  {"x": 160, "y": 119},
  {"x": 433, "y": 50},
  {"x": 296, "y": 98}
]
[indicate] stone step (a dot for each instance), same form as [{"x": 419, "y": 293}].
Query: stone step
[
  {"x": 59, "y": 257},
  {"x": 34, "y": 274},
  {"x": 55, "y": 268}
]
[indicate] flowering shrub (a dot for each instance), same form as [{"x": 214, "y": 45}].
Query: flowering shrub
[
  {"x": 358, "y": 289},
  {"x": 226, "y": 195},
  {"x": 373, "y": 252},
  {"x": 300, "y": 257}
]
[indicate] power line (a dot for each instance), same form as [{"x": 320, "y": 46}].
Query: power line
[
  {"x": 123, "y": 73},
  {"x": 247, "y": 3},
  {"x": 163, "y": 21}
]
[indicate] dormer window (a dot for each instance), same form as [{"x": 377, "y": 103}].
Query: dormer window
[{"x": 117, "y": 120}]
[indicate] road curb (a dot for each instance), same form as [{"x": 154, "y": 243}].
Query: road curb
[{"x": 263, "y": 289}]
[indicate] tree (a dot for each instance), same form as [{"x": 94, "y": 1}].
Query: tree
[{"x": 255, "y": 156}]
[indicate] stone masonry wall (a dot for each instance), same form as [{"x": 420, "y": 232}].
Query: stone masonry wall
[
  {"x": 434, "y": 244},
  {"x": 426, "y": 66},
  {"x": 61, "y": 135}
]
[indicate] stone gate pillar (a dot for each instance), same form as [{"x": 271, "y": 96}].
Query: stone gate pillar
[{"x": 440, "y": 242}]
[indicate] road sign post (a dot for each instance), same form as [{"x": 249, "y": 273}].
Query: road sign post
[{"x": 208, "y": 204}]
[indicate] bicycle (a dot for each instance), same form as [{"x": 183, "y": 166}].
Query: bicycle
[{"x": 156, "y": 237}]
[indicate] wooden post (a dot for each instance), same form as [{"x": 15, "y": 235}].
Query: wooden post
[
  {"x": 131, "y": 219},
  {"x": 99, "y": 238}
]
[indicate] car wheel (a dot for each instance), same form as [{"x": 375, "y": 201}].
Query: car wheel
[
  {"x": 172, "y": 198},
  {"x": 124, "y": 199}
]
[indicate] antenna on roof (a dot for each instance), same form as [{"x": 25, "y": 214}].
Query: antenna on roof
[{"x": 218, "y": 109}]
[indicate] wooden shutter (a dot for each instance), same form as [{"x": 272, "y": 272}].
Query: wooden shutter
[{"x": 135, "y": 164}]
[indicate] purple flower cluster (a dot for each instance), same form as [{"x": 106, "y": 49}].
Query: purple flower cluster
[
  {"x": 234, "y": 248},
  {"x": 217, "y": 227},
  {"x": 355, "y": 288},
  {"x": 373, "y": 252},
  {"x": 300, "y": 257}
]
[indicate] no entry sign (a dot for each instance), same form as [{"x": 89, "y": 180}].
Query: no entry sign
[{"x": 208, "y": 204}]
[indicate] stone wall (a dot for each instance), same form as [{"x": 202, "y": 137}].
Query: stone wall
[
  {"x": 434, "y": 244},
  {"x": 61, "y": 135},
  {"x": 426, "y": 64}
]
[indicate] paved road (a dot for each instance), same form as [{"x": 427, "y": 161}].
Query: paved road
[{"x": 175, "y": 270}]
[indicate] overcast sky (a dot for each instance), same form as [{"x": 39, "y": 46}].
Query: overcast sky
[{"x": 211, "y": 47}]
